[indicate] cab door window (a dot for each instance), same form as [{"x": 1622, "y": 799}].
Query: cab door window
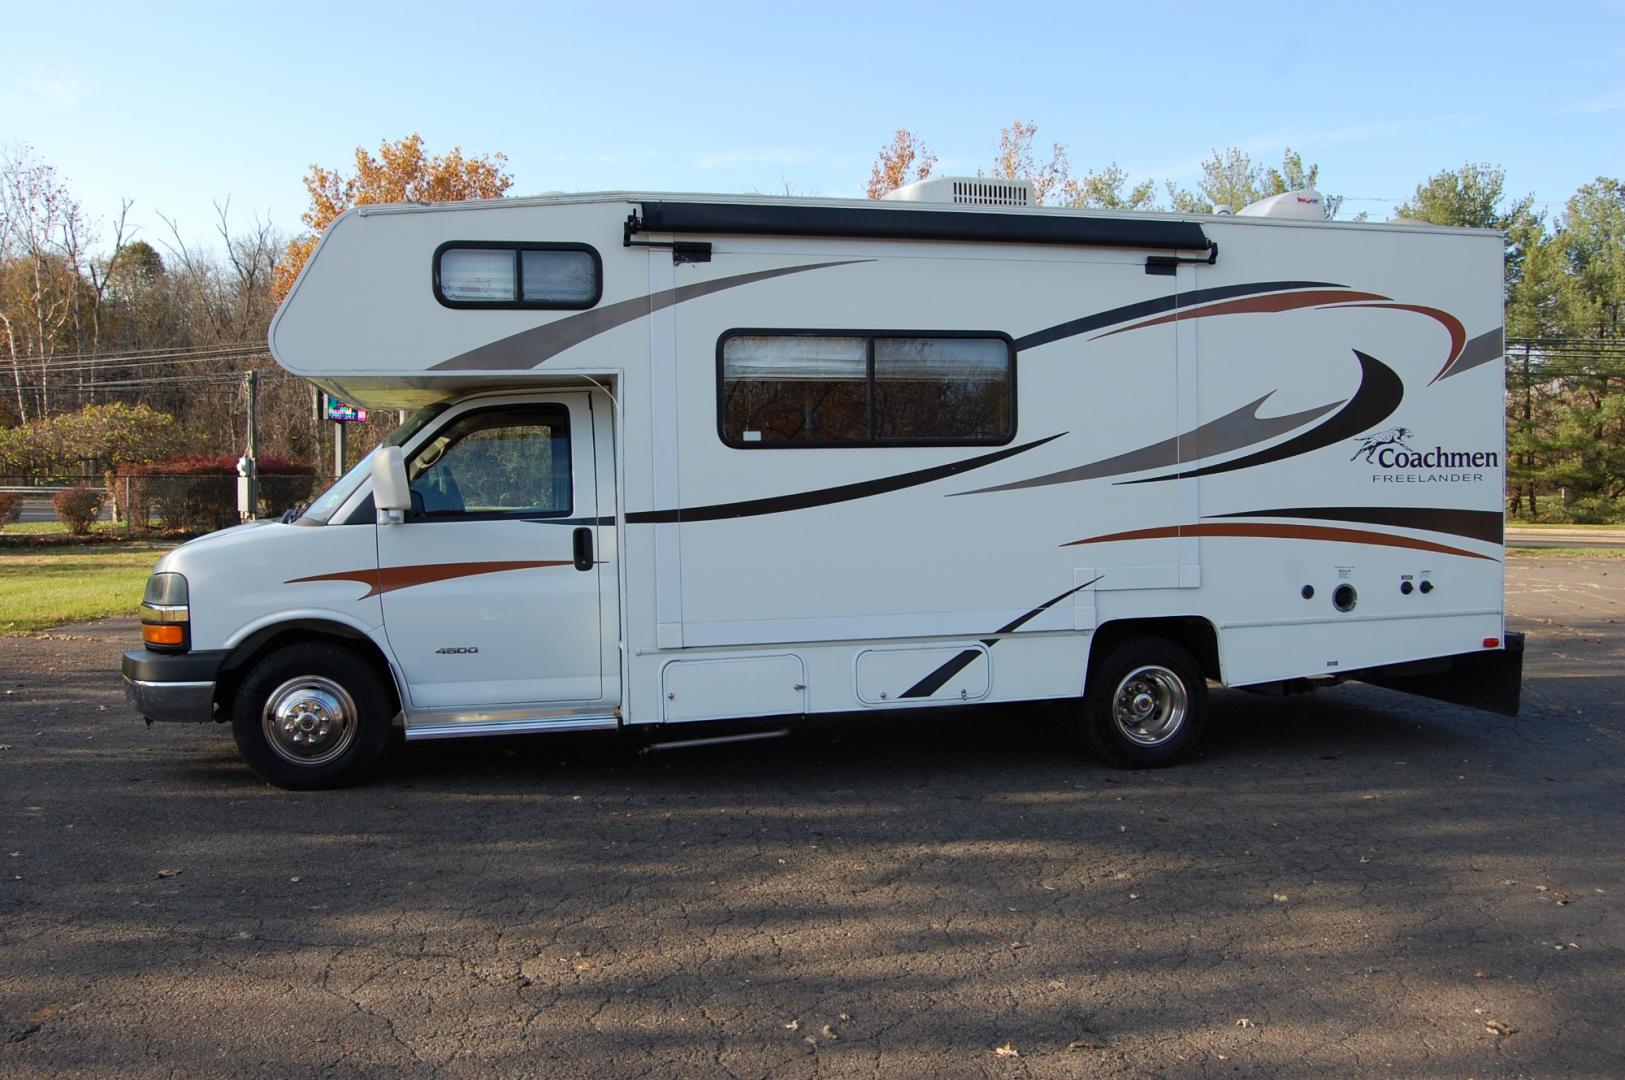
[{"x": 505, "y": 462}]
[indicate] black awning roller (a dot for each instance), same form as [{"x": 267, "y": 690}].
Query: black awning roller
[{"x": 886, "y": 223}]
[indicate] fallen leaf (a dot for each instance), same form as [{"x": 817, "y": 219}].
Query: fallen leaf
[
  {"x": 1085, "y": 1044},
  {"x": 830, "y": 1033},
  {"x": 1007, "y": 1050},
  {"x": 845, "y": 1016},
  {"x": 1280, "y": 898},
  {"x": 1245, "y": 1023},
  {"x": 1481, "y": 974},
  {"x": 166, "y": 872},
  {"x": 794, "y": 1025},
  {"x": 1495, "y": 1027},
  {"x": 583, "y": 965}
]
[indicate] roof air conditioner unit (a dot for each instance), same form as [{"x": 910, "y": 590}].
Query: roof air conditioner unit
[
  {"x": 967, "y": 191},
  {"x": 1303, "y": 205}
]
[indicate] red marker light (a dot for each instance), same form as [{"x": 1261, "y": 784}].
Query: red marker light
[{"x": 1492, "y": 643}]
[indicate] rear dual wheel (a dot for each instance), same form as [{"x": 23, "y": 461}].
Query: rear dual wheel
[{"x": 1144, "y": 706}]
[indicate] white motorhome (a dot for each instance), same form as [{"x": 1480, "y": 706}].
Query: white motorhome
[{"x": 680, "y": 459}]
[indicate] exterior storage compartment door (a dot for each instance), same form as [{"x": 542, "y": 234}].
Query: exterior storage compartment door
[
  {"x": 734, "y": 686},
  {"x": 933, "y": 674}
]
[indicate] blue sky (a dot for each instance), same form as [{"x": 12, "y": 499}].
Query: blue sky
[{"x": 176, "y": 105}]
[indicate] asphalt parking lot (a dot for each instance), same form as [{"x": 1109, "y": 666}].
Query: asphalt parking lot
[{"x": 1351, "y": 884}]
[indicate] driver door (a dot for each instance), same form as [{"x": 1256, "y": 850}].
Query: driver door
[{"x": 491, "y": 586}]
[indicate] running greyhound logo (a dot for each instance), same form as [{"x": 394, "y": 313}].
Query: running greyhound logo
[{"x": 1370, "y": 444}]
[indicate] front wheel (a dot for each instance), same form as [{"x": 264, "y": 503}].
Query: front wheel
[
  {"x": 312, "y": 715},
  {"x": 1145, "y": 704}
]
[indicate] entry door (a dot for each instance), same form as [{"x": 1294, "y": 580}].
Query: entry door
[{"x": 491, "y": 587}]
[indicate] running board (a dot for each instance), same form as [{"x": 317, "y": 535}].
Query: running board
[{"x": 534, "y": 726}]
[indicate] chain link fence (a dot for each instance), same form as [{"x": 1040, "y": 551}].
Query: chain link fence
[{"x": 174, "y": 505}]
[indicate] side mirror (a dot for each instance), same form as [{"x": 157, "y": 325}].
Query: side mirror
[{"x": 390, "y": 493}]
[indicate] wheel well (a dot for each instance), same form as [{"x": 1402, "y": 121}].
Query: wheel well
[
  {"x": 1191, "y": 632},
  {"x": 261, "y": 643}
]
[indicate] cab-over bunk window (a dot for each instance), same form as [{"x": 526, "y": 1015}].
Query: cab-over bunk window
[
  {"x": 818, "y": 388},
  {"x": 499, "y": 274}
]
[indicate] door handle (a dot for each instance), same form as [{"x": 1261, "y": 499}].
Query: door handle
[{"x": 581, "y": 543}]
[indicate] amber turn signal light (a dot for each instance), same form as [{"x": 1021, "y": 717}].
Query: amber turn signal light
[{"x": 169, "y": 634}]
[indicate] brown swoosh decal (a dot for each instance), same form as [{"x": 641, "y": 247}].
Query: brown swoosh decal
[
  {"x": 1280, "y": 532},
  {"x": 1483, "y": 349},
  {"x": 1252, "y": 305},
  {"x": 389, "y": 578},
  {"x": 529, "y": 348},
  {"x": 1452, "y": 325}
]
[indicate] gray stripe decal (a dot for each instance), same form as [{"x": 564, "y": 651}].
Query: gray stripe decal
[
  {"x": 529, "y": 348},
  {"x": 1480, "y": 350},
  {"x": 1235, "y": 430}
]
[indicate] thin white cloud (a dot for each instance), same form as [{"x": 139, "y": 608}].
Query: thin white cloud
[
  {"x": 64, "y": 89},
  {"x": 1612, "y": 102},
  {"x": 733, "y": 159}
]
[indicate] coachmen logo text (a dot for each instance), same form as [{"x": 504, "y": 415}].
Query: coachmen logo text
[{"x": 1391, "y": 451}]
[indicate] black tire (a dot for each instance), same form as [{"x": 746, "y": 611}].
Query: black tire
[
  {"x": 1144, "y": 705},
  {"x": 336, "y": 714}
]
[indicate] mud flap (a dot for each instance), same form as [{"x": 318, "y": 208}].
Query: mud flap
[{"x": 1491, "y": 680}]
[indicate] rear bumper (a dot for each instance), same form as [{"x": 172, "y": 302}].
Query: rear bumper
[
  {"x": 1491, "y": 680},
  {"x": 175, "y": 688}
]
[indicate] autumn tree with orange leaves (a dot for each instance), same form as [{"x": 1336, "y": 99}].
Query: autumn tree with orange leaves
[
  {"x": 905, "y": 152},
  {"x": 401, "y": 172}
]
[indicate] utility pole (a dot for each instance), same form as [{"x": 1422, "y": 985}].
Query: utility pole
[
  {"x": 338, "y": 449},
  {"x": 253, "y": 414},
  {"x": 248, "y": 495}
]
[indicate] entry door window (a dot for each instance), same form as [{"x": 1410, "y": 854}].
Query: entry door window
[{"x": 508, "y": 461}]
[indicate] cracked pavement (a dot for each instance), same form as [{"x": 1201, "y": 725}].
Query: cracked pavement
[{"x": 1351, "y": 883}]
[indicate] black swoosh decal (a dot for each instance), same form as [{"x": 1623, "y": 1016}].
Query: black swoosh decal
[
  {"x": 577, "y": 521},
  {"x": 1157, "y": 306},
  {"x": 529, "y": 348},
  {"x": 1379, "y": 395},
  {"x": 802, "y": 500},
  {"x": 934, "y": 681},
  {"x": 1233, "y": 431},
  {"x": 1485, "y": 525}
]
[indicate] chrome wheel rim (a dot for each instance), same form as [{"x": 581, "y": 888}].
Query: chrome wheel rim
[
  {"x": 1149, "y": 705},
  {"x": 309, "y": 720}
]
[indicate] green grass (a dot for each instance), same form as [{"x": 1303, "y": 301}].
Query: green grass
[
  {"x": 50, "y": 586},
  {"x": 56, "y": 528}
]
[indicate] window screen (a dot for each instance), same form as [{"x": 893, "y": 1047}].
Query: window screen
[
  {"x": 942, "y": 389},
  {"x": 842, "y": 389},
  {"x": 501, "y": 275}
]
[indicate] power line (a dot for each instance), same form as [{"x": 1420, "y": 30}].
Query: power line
[{"x": 144, "y": 354}]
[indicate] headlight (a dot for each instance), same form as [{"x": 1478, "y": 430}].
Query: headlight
[{"x": 166, "y": 614}]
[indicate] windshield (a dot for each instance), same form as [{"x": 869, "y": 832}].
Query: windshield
[{"x": 328, "y": 502}]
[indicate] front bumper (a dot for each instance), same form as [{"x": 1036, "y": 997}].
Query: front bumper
[{"x": 172, "y": 687}]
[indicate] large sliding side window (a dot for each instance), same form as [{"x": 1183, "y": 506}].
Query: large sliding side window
[{"x": 831, "y": 388}]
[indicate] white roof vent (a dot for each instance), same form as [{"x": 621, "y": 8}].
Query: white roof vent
[
  {"x": 967, "y": 191},
  {"x": 1303, "y": 205}
]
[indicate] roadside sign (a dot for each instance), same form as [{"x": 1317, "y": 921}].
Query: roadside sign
[{"x": 340, "y": 413}]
